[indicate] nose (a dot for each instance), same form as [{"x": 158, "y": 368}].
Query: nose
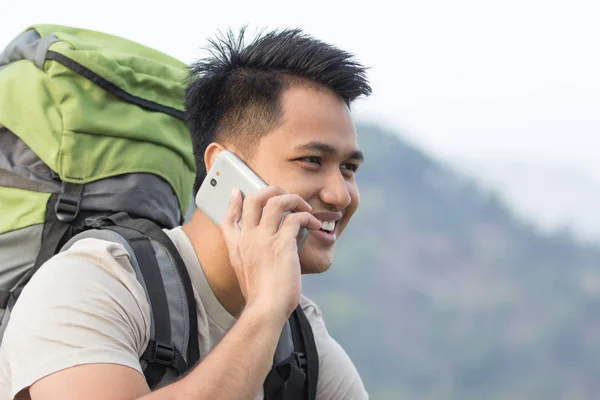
[{"x": 335, "y": 191}]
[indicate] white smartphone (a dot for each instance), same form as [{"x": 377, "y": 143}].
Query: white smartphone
[{"x": 228, "y": 172}]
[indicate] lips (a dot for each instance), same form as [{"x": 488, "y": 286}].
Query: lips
[
  {"x": 328, "y": 220},
  {"x": 327, "y": 226},
  {"x": 324, "y": 237}
]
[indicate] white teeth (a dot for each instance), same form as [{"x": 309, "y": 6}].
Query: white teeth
[{"x": 327, "y": 225}]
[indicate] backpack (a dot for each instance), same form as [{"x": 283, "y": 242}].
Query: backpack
[{"x": 93, "y": 143}]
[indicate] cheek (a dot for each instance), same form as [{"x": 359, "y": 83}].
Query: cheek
[
  {"x": 283, "y": 175},
  {"x": 353, "y": 206},
  {"x": 299, "y": 184},
  {"x": 354, "y": 197}
]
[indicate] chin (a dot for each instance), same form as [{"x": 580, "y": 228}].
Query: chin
[
  {"x": 314, "y": 269},
  {"x": 315, "y": 260}
]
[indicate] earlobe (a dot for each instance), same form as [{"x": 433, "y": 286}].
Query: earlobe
[{"x": 211, "y": 153}]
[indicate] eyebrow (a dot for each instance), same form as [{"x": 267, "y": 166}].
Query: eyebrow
[{"x": 329, "y": 149}]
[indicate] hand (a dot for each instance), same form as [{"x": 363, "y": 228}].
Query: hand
[{"x": 263, "y": 254}]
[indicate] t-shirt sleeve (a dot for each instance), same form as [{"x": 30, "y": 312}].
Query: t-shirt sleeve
[
  {"x": 83, "y": 306},
  {"x": 338, "y": 377}
]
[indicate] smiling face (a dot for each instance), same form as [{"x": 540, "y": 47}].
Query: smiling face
[{"x": 314, "y": 153}]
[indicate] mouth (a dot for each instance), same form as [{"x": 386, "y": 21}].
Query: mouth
[
  {"x": 327, "y": 226},
  {"x": 326, "y": 235}
]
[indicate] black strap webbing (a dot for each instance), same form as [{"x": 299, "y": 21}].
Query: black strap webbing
[
  {"x": 153, "y": 231},
  {"x": 155, "y": 353},
  {"x": 296, "y": 377},
  {"x": 61, "y": 209},
  {"x": 161, "y": 353},
  {"x": 285, "y": 381},
  {"x": 308, "y": 346}
]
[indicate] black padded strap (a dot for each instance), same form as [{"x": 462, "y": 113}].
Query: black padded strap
[
  {"x": 304, "y": 342},
  {"x": 160, "y": 352},
  {"x": 152, "y": 230},
  {"x": 296, "y": 377},
  {"x": 144, "y": 253}
]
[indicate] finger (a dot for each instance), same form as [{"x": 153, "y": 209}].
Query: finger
[
  {"x": 229, "y": 224},
  {"x": 253, "y": 205},
  {"x": 276, "y": 208},
  {"x": 293, "y": 222}
]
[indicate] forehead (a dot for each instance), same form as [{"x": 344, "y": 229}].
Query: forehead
[{"x": 312, "y": 114}]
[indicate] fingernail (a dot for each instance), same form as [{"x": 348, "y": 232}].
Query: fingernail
[{"x": 233, "y": 193}]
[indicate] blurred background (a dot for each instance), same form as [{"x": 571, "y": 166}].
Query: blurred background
[{"x": 472, "y": 269}]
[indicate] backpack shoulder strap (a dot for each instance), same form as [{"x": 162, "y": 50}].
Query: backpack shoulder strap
[
  {"x": 295, "y": 377},
  {"x": 61, "y": 210},
  {"x": 304, "y": 342},
  {"x": 173, "y": 345}
]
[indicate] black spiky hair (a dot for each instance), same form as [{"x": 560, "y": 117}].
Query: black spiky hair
[{"x": 234, "y": 94}]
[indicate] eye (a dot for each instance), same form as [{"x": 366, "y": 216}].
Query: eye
[
  {"x": 350, "y": 167},
  {"x": 312, "y": 160}
]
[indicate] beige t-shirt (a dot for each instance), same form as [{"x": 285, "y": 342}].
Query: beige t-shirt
[{"x": 86, "y": 306}]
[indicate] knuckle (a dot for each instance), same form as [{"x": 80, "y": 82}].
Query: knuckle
[
  {"x": 252, "y": 200},
  {"x": 294, "y": 218},
  {"x": 296, "y": 197},
  {"x": 273, "y": 202},
  {"x": 305, "y": 215},
  {"x": 269, "y": 191},
  {"x": 288, "y": 217}
]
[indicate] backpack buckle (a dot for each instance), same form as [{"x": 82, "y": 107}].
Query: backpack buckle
[
  {"x": 67, "y": 207},
  {"x": 300, "y": 359},
  {"x": 162, "y": 354},
  {"x": 97, "y": 222}
]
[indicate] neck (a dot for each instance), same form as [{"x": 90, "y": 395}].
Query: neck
[{"x": 213, "y": 256}]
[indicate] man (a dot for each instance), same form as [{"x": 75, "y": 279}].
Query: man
[{"x": 281, "y": 104}]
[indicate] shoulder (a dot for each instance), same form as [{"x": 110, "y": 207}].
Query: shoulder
[
  {"x": 91, "y": 273},
  {"x": 89, "y": 266},
  {"x": 338, "y": 377},
  {"x": 83, "y": 306}
]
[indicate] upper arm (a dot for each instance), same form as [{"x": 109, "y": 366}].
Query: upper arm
[
  {"x": 91, "y": 381},
  {"x": 338, "y": 377},
  {"x": 81, "y": 323}
]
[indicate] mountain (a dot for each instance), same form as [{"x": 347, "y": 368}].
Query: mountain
[
  {"x": 553, "y": 196},
  {"x": 440, "y": 291}
]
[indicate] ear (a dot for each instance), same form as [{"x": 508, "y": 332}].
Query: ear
[{"x": 211, "y": 153}]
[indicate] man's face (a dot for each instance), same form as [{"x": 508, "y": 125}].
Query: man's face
[{"x": 314, "y": 153}]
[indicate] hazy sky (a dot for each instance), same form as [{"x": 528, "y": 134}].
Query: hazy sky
[{"x": 474, "y": 78}]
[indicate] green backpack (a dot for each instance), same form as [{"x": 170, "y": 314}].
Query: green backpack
[
  {"x": 92, "y": 125},
  {"x": 93, "y": 143}
]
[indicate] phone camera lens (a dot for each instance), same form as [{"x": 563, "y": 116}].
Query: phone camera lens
[{"x": 213, "y": 182}]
